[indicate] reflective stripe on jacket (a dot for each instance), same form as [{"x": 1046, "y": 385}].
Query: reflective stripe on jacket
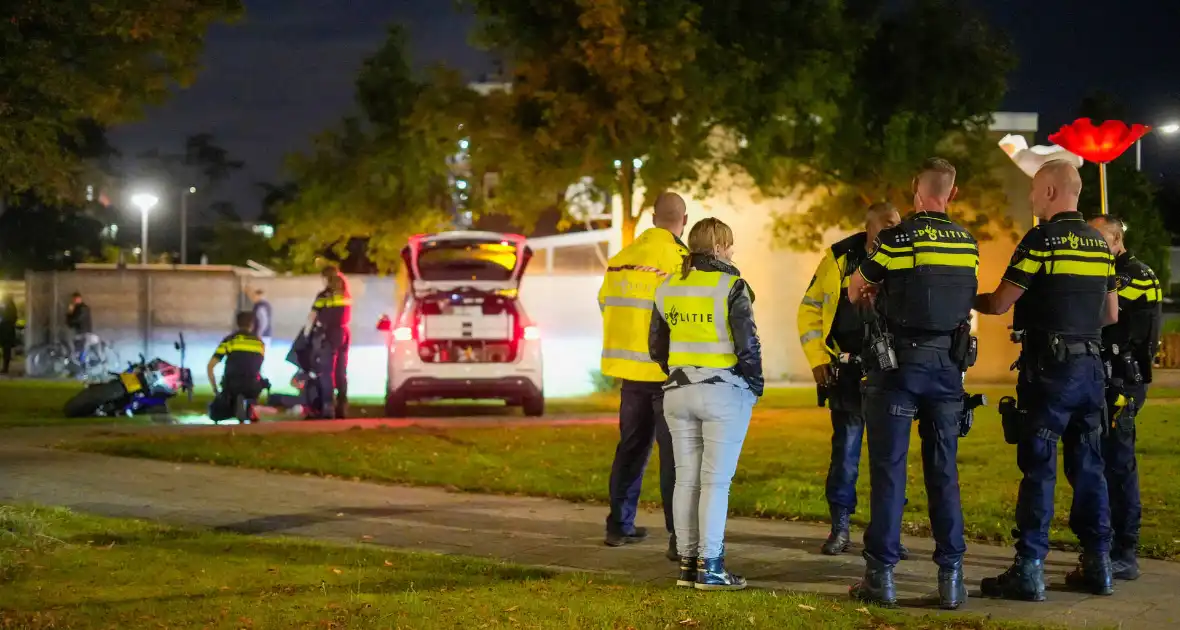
[
  {"x": 626, "y": 300},
  {"x": 697, "y": 311},
  {"x": 817, "y": 311}
]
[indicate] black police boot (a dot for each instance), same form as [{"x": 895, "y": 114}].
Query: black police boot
[
  {"x": 672, "y": 554},
  {"x": 618, "y": 539},
  {"x": 903, "y": 552},
  {"x": 1024, "y": 581},
  {"x": 713, "y": 576},
  {"x": 1093, "y": 574},
  {"x": 952, "y": 591},
  {"x": 838, "y": 539},
  {"x": 688, "y": 571},
  {"x": 1123, "y": 563},
  {"x": 877, "y": 586}
]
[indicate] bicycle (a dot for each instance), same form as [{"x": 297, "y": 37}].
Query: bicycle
[{"x": 89, "y": 356}]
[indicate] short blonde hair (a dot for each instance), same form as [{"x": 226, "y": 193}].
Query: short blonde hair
[{"x": 706, "y": 237}]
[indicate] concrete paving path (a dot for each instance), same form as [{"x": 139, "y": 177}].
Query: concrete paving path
[{"x": 521, "y": 530}]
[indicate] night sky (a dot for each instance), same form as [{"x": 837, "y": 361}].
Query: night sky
[{"x": 285, "y": 72}]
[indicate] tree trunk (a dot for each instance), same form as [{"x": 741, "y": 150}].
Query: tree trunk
[{"x": 627, "y": 194}]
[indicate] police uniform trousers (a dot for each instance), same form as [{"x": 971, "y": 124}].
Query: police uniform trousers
[
  {"x": 848, "y": 427},
  {"x": 927, "y": 384},
  {"x": 1122, "y": 470},
  {"x": 641, "y": 421},
  {"x": 1063, "y": 400},
  {"x": 332, "y": 373}
]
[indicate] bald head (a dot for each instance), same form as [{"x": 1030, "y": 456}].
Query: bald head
[
  {"x": 670, "y": 213},
  {"x": 1112, "y": 230},
  {"x": 934, "y": 187},
  {"x": 879, "y": 216},
  {"x": 1055, "y": 189}
]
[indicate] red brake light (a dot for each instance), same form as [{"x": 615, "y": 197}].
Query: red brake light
[
  {"x": 532, "y": 333},
  {"x": 403, "y": 333}
]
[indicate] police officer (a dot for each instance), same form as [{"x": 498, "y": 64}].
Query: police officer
[
  {"x": 1061, "y": 280},
  {"x": 626, "y": 300},
  {"x": 831, "y": 330},
  {"x": 329, "y": 319},
  {"x": 1129, "y": 347},
  {"x": 241, "y": 382},
  {"x": 922, "y": 277}
]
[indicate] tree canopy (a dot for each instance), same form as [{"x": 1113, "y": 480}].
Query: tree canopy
[
  {"x": 632, "y": 93},
  {"x": 385, "y": 173},
  {"x": 926, "y": 82},
  {"x": 70, "y": 64}
]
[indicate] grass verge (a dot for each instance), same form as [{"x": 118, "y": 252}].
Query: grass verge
[
  {"x": 39, "y": 403},
  {"x": 114, "y": 573},
  {"x": 781, "y": 474}
]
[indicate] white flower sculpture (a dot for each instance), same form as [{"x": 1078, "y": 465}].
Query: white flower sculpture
[{"x": 1030, "y": 159}]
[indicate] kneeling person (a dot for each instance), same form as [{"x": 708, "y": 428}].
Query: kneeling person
[{"x": 243, "y": 353}]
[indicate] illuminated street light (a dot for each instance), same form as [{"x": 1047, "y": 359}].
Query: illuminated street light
[
  {"x": 1167, "y": 130},
  {"x": 145, "y": 202}
]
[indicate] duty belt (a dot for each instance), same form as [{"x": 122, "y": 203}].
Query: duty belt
[{"x": 910, "y": 348}]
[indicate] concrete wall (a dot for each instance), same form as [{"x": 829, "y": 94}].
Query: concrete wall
[{"x": 145, "y": 310}]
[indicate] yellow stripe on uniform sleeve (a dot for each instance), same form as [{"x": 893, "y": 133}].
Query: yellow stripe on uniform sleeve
[{"x": 1027, "y": 265}]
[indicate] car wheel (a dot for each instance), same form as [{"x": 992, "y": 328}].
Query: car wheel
[
  {"x": 395, "y": 405},
  {"x": 534, "y": 406}
]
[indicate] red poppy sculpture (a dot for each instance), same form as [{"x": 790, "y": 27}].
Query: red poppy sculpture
[{"x": 1102, "y": 143}]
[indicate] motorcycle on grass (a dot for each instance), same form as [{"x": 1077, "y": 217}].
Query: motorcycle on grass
[{"x": 143, "y": 388}]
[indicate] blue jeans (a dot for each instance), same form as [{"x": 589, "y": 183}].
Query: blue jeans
[
  {"x": 1064, "y": 401},
  {"x": 1122, "y": 470},
  {"x": 848, "y": 428},
  {"x": 927, "y": 384},
  {"x": 708, "y": 425},
  {"x": 641, "y": 422}
]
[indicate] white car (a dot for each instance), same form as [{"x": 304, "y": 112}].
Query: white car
[{"x": 462, "y": 332}]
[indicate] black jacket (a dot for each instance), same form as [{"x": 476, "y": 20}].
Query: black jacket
[
  {"x": 78, "y": 320},
  {"x": 747, "y": 347}
]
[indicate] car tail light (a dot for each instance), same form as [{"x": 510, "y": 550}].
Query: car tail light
[
  {"x": 403, "y": 333},
  {"x": 531, "y": 333}
]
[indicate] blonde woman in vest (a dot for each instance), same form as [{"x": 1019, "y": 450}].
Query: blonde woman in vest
[{"x": 704, "y": 338}]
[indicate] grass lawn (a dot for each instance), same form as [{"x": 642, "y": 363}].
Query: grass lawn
[
  {"x": 60, "y": 569},
  {"x": 40, "y": 403},
  {"x": 781, "y": 473}
]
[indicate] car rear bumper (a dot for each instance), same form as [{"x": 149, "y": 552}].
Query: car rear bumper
[{"x": 512, "y": 389}]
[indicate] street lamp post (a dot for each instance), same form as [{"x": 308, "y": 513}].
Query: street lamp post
[
  {"x": 1167, "y": 130},
  {"x": 145, "y": 202},
  {"x": 184, "y": 223}
]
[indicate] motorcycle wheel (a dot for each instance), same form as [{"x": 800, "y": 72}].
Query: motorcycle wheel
[{"x": 87, "y": 402}]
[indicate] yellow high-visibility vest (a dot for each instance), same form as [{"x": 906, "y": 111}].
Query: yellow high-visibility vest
[
  {"x": 626, "y": 300},
  {"x": 697, "y": 311}
]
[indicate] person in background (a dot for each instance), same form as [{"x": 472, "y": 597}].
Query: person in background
[
  {"x": 329, "y": 318},
  {"x": 703, "y": 337},
  {"x": 625, "y": 299},
  {"x": 8, "y": 317},
  {"x": 262, "y": 316},
  {"x": 80, "y": 325},
  {"x": 1128, "y": 346},
  {"x": 830, "y": 327},
  {"x": 243, "y": 353}
]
